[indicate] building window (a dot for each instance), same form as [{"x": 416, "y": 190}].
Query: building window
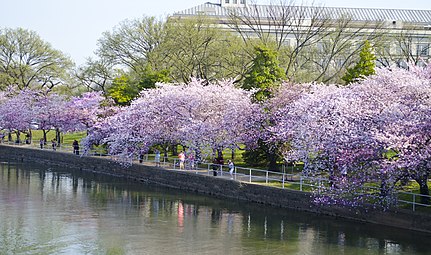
[
  {"x": 226, "y": 1},
  {"x": 242, "y": 2},
  {"x": 235, "y": 1},
  {"x": 422, "y": 49}
]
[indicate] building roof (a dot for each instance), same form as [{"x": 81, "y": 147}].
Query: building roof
[{"x": 359, "y": 14}]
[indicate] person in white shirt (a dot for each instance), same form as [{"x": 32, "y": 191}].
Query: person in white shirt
[{"x": 231, "y": 167}]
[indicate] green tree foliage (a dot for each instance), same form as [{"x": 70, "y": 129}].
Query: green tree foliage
[
  {"x": 191, "y": 47},
  {"x": 194, "y": 47},
  {"x": 318, "y": 50},
  {"x": 365, "y": 67},
  {"x": 264, "y": 74},
  {"x": 26, "y": 61},
  {"x": 124, "y": 55},
  {"x": 126, "y": 87},
  {"x": 264, "y": 155},
  {"x": 95, "y": 75},
  {"x": 150, "y": 77},
  {"x": 131, "y": 43},
  {"x": 122, "y": 91}
]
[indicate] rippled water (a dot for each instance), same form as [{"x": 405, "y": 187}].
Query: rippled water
[{"x": 53, "y": 211}]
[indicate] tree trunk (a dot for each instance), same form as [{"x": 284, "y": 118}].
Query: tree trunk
[
  {"x": 44, "y": 136},
  {"x": 220, "y": 156},
  {"x": 18, "y": 136},
  {"x": 165, "y": 151},
  {"x": 9, "y": 136},
  {"x": 272, "y": 160},
  {"x": 174, "y": 150},
  {"x": 423, "y": 189},
  {"x": 383, "y": 188}
]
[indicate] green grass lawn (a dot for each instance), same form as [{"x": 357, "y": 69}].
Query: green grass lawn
[
  {"x": 288, "y": 185},
  {"x": 412, "y": 187},
  {"x": 67, "y": 138}
]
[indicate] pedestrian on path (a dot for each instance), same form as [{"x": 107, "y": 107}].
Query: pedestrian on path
[
  {"x": 75, "y": 147},
  {"x": 157, "y": 157},
  {"x": 191, "y": 159},
  {"x": 141, "y": 157},
  {"x": 54, "y": 144},
  {"x": 231, "y": 167},
  {"x": 182, "y": 158},
  {"x": 214, "y": 166}
]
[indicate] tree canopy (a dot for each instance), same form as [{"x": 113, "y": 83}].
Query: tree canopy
[
  {"x": 365, "y": 66},
  {"x": 374, "y": 130},
  {"x": 359, "y": 142},
  {"x": 26, "y": 61},
  {"x": 265, "y": 73}
]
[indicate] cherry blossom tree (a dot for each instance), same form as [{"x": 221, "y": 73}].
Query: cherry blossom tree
[
  {"x": 405, "y": 122},
  {"x": 315, "y": 124},
  {"x": 16, "y": 112},
  {"x": 359, "y": 142},
  {"x": 48, "y": 111},
  {"x": 372, "y": 132},
  {"x": 197, "y": 115},
  {"x": 22, "y": 110},
  {"x": 83, "y": 112}
]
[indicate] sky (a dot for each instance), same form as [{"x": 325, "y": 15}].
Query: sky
[{"x": 74, "y": 26}]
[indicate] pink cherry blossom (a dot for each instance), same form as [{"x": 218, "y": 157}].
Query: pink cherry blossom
[{"x": 198, "y": 115}]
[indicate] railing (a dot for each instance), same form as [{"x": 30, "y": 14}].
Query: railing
[
  {"x": 241, "y": 174},
  {"x": 251, "y": 175},
  {"x": 414, "y": 201}
]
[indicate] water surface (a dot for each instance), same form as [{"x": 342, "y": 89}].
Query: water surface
[{"x": 47, "y": 210}]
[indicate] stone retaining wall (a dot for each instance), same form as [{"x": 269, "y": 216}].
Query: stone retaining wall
[{"x": 222, "y": 188}]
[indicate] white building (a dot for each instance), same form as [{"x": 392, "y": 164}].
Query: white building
[{"x": 410, "y": 30}]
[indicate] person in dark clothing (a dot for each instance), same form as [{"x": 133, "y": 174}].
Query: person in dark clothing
[
  {"x": 75, "y": 147},
  {"x": 215, "y": 166}
]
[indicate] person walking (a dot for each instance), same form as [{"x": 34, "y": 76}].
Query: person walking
[
  {"x": 157, "y": 157},
  {"x": 41, "y": 142},
  {"x": 141, "y": 157},
  {"x": 214, "y": 166},
  {"x": 182, "y": 158},
  {"x": 75, "y": 147},
  {"x": 231, "y": 167},
  {"x": 191, "y": 159}
]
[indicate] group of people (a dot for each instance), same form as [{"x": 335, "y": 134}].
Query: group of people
[
  {"x": 42, "y": 143},
  {"x": 190, "y": 158},
  {"x": 75, "y": 145},
  {"x": 218, "y": 163}
]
